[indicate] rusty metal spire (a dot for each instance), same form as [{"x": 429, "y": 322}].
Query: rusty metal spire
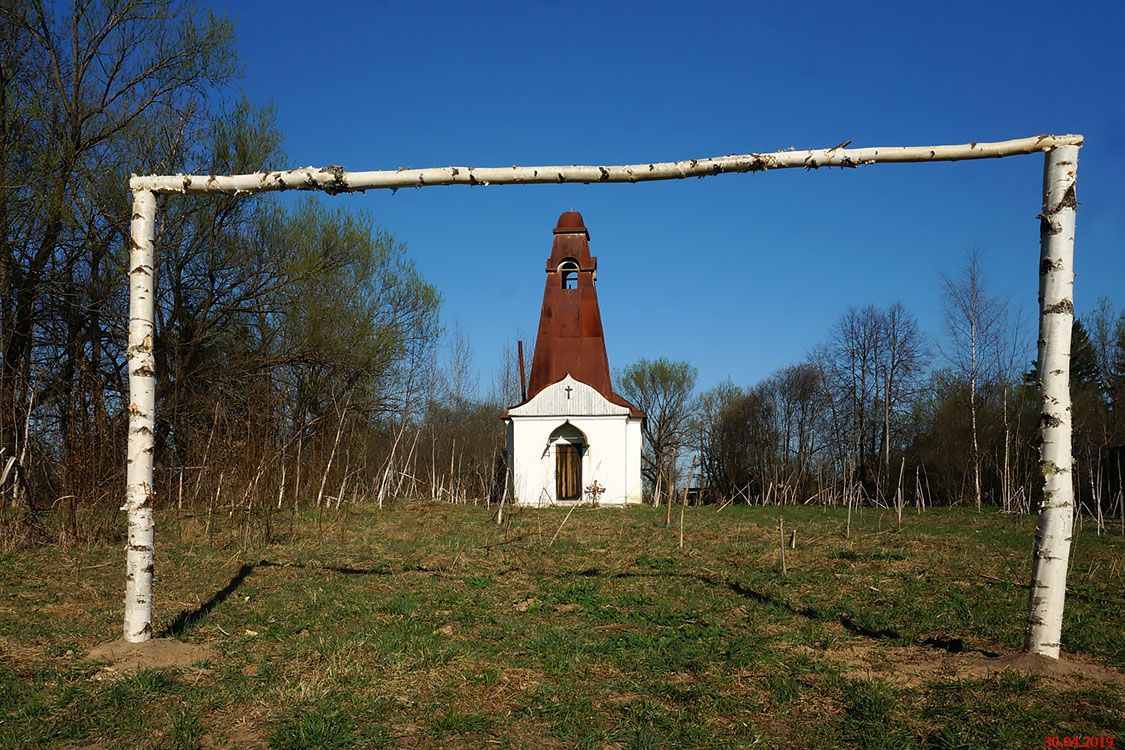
[{"x": 570, "y": 338}]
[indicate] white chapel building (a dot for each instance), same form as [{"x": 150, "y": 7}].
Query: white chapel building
[{"x": 572, "y": 439}]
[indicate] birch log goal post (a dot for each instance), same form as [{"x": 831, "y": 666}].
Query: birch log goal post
[
  {"x": 142, "y": 420},
  {"x": 1052, "y": 542},
  {"x": 1056, "y": 316}
]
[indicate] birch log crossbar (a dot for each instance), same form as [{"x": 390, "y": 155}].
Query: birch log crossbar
[
  {"x": 335, "y": 179},
  {"x": 1051, "y": 549}
]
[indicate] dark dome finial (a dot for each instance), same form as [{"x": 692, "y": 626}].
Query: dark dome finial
[{"x": 571, "y": 223}]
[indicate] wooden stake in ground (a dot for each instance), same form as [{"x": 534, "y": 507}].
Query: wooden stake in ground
[
  {"x": 671, "y": 494},
  {"x": 900, "y": 497},
  {"x": 560, "y": 528},
  {"x": 1056, "y": 317},
  {"x": 683, "y": 504},
  {"x": 918, "y": 488},
  {"x": 211, "y": 503},
  {"x": 781, "y": 540},
  {"x": 297, "y": 480},
  {"x": 500, "y": 507},
  {"x": 281, "y": 486}
]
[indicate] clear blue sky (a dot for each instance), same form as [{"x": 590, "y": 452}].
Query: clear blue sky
[{"x": 738, "y": 274}]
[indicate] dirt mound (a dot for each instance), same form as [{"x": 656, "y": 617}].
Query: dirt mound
[
  {"x": 1066, "y": 668},
  {"x": 915, "y": 666},
  {"x": 155, "y": 653}
]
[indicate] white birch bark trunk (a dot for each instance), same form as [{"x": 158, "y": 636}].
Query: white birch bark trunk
[
  {"x": 1056, "y": 316},
  {"x": 142, "y": 418},
  {"x": 334, "y": 179}
]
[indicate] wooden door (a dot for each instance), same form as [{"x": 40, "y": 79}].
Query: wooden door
[{"x": 568, "y": 472}]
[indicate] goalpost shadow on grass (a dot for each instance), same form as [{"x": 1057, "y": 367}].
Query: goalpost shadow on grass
[
  {"x": 952, "y": 645},
  {"x": 188, "y": 619}
]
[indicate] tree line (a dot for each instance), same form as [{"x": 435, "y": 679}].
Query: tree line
[
  {"x": 880, "y": 413},
  {"x": 297, "y": 347}
]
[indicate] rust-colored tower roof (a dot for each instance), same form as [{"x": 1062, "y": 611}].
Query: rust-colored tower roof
[{"x": 570, "y": 339}]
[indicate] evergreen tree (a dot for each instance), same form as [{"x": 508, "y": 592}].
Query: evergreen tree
[{"x": 1083, "y": 360}]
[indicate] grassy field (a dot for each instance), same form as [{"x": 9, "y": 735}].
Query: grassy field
[{"x": 424, "y": 625}]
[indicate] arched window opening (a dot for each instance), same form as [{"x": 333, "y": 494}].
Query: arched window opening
[
  {"x": 568, "y": 270},
  {"x": 571, "y": 434}
]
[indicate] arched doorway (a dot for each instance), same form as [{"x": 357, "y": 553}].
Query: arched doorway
[{"x": 570, "y": 447}]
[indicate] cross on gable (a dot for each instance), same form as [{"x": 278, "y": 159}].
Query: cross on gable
[{"x": 568, "y": 389}]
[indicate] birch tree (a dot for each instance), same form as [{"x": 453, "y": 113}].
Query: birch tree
[{"x": 975, "y": 324}]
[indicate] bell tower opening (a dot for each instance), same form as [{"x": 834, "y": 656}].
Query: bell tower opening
[{"x": 568, "y": 271}]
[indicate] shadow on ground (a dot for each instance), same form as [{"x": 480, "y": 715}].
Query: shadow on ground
[{"x": 187, "y": 620}]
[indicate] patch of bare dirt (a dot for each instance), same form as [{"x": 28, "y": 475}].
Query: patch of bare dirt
[
  {"x": 1067, "y": 668},
  {"x": 916, "y": 666},
  {"x": 155, "y": 653},
  {"x": 616, "y": 626},
  {"x": 502, "y": 695},
  {"x": 16, "y": 654},
  {"x": 436, "y": 564},
  {"x": 236, "y": 728}
]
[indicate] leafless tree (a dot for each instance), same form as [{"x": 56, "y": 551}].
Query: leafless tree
[
  {"x": 975, "y": 325},
  {"x": 853, "y": 362},
  {"x": 903, "y": 360}
]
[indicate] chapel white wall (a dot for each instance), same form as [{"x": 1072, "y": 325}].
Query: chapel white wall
[{"x": 612, "y": 455}]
